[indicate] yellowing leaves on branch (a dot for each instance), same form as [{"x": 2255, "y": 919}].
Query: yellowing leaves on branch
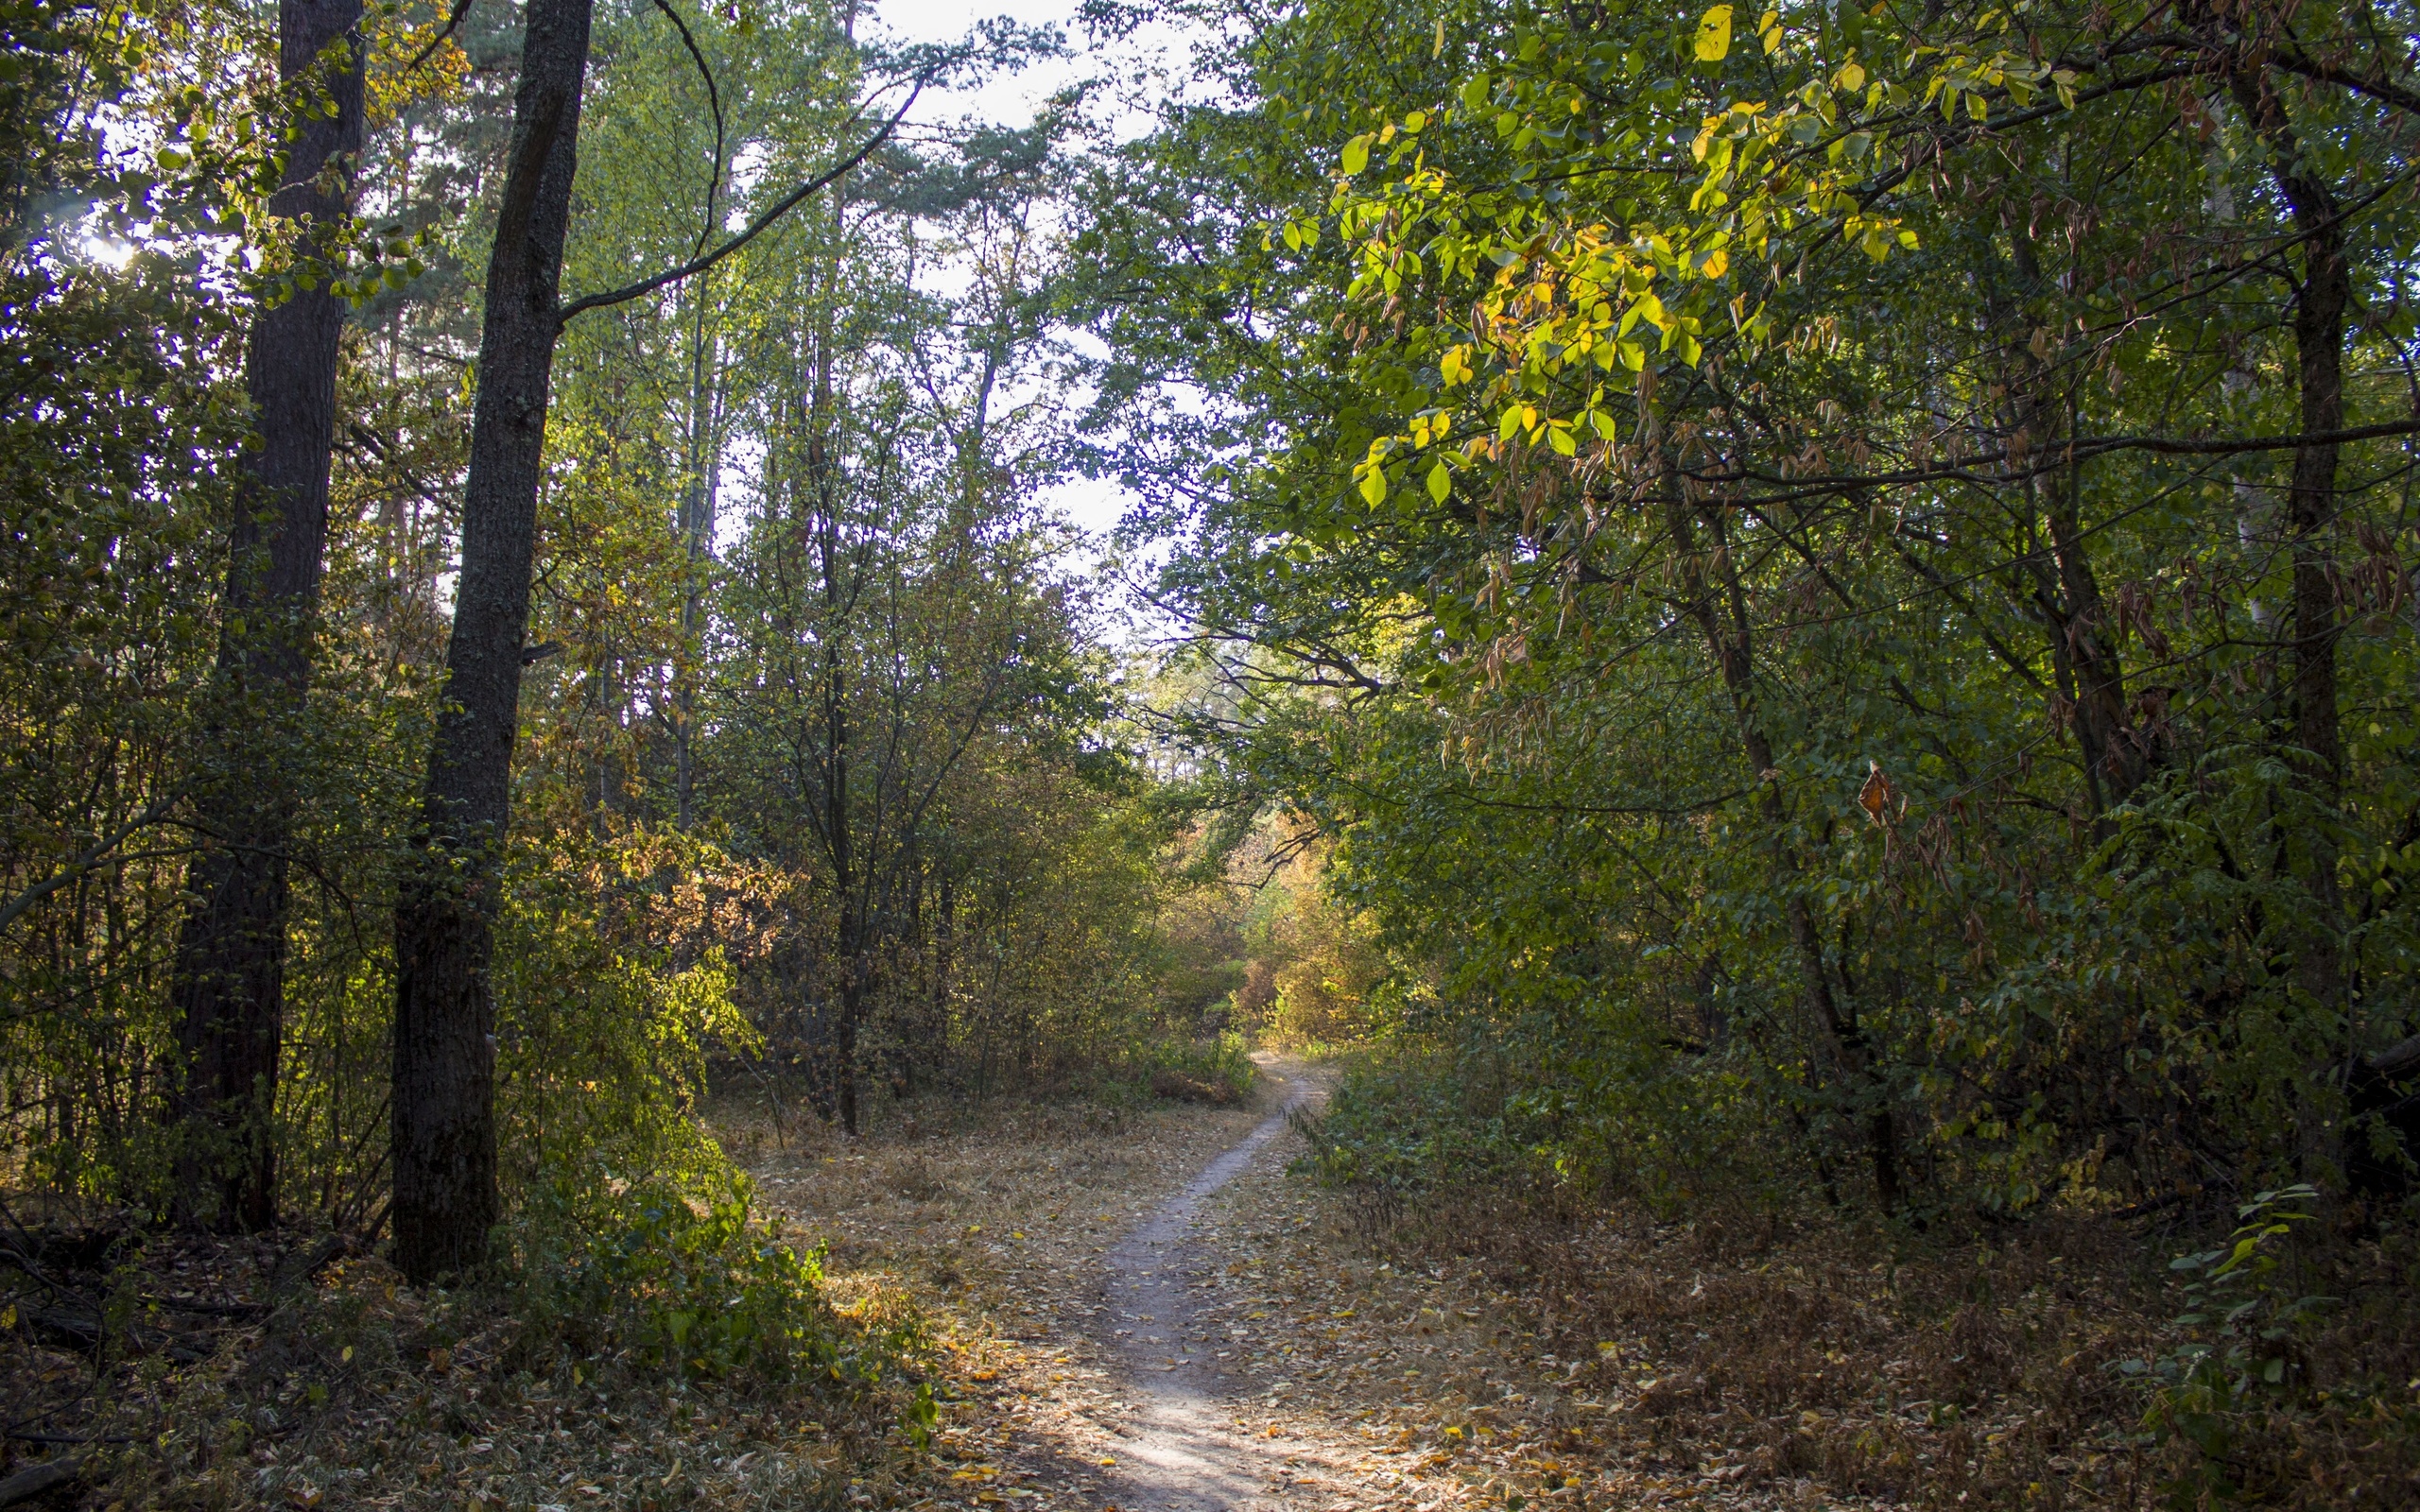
[{"x": 1545, "y": 212}]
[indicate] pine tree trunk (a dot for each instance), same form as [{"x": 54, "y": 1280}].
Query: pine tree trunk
[
  {"x": 444, "y": 1118},
  {"x": 230, "y": 979}
]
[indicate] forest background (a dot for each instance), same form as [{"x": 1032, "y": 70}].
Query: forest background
[{"x": 1800, "y": 610}]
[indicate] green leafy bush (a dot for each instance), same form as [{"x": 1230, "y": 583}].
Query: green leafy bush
[
  {"x": 1220, "y": 1069},
  {"x": 663, "y": 1281},
  {"x": 2244, "y": 1355}
]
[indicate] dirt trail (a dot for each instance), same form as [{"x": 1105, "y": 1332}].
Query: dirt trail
[
  {"x": 1143, "y": 1312},
  {"x": 1187, "y": 1453}
]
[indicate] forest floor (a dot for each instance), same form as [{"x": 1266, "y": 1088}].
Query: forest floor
[
  {"x": 1147, "y": 1310},
  {"x": 1149, "y": 1313}
]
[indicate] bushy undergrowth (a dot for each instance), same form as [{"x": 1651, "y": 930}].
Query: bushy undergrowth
[
  {"x": 1408, "y": 1117},
  {"x": 1213, "y": 1070},
  {"x": 685, "y": 1284},
  {"x": 661, "y": 1337}
]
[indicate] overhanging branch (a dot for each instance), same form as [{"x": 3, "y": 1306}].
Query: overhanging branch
[{"x": 756, "y": 227}]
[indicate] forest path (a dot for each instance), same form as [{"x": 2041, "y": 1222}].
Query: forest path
[
  {"x": 1147, "y": 1312},
  {"x": 1188, "y": 1453}
]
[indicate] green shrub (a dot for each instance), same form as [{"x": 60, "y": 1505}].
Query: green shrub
[
  {"x": 2245, "y": 1353},
  {"x": 663, "y": 1281}
]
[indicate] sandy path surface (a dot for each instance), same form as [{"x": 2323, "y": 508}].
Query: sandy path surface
[{"x": 1189, "y": 1452}]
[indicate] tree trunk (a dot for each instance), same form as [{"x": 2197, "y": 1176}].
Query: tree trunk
[
  {"x": 1839, "y": 1032},
  {"x": 695, "y": 525},
  {"x": 2116, "y": 756},
  {"x": 2320, "y": 303},
  {"x": 230, "y": 979},
  {"x": 444, "y": 1118}
]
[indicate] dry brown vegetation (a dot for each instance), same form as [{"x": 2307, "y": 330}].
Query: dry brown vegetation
[
  {"x": 1610, "y": 1360},
  {"x": 1488, "y": 1346},
  {"x": 1473, "y": 1350}
]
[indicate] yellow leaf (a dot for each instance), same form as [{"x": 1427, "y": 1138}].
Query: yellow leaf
[
  {"x": 1373, "y": 487},
  {"x": 1717, "y": 263},
  {"x": 1714, "y": 35}
]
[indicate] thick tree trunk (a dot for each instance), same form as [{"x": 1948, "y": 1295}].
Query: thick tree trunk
[
  {"x": 230, "y": 981},
  {"x": 444, "y": 1118}
]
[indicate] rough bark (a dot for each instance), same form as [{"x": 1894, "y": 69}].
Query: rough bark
[
  {"x": 443, "y": 1117},
  {"x": 229, "y": 979}
]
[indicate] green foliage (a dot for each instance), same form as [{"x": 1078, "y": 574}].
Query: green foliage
[
  {"x": 2247, "y": 1356},
  {"x": 612, "y": 997},
  {"x": 1225, "y": 1062},
  {"x": 680, "y": 1277},
  {"x": 1784, "y": 562}
]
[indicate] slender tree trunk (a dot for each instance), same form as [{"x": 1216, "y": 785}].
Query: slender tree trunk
[
  {"x": 847, "y": 887},
  {"x": 697, "y": 529},
  {"x": 2117, "y": 760},
  {"x": 1839, "y": 1032},
  {"x": 2320, "y": 303},
  {"x": 229, "y": 979},
  {"x": 444, "y": 1119},
  {"x": 945, "y": 947}
]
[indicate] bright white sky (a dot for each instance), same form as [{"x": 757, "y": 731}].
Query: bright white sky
[{"x": 1014, "y": 100}]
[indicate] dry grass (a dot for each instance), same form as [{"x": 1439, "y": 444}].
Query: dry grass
[
  {"x": 1816, "y": 1364},
  {"x": 1494, "y": 1347}
]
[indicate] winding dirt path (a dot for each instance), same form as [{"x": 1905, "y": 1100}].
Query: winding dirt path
[
  {"x": 1186, "y": 1454},
  {"x": 1142, "y": 1311}
]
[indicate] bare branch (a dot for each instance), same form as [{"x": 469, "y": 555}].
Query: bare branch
[
  {"x": 462, "y": 9},
  {"x": 714, "y": 99},
  {"x": 85, "y": 860},
  {"x": 788, "y": 202}
]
